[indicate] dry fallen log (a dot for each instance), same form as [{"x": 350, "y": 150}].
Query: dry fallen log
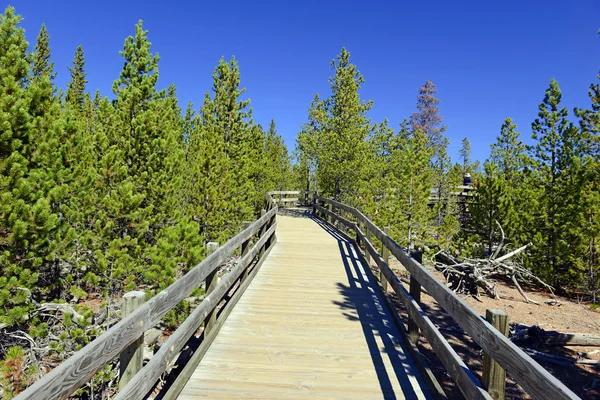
[
  {"x": 534, "y": 336},
  {"x": 559, "y": 360}
]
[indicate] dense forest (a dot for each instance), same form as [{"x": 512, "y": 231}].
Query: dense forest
[{"x": 103, "y": 195}]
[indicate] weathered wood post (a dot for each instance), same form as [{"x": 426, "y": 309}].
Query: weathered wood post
[
  {"x": 415, "y": 292},
  {"x": 386, "y": 258},
  {"x": 261, "y": 231},
  {"x": 368, "y": 236},
  {"x": 494, "y": 376},
  {"x": 314, "y": 204},
  {"x": 273, "y": 239},
  {"x": 244, "y": 250},
  {"x": 329, "y": 217},
  {"x": 209, "y": 284},
  {"x": 132, "y": 358}
]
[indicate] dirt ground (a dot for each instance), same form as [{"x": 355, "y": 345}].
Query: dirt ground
[{"x": 567, "y": 316}]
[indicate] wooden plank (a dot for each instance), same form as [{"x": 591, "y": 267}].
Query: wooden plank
[
  {"x": 335, "y": 339},
  {"x": 71, "y": 374},
  {"x": 422, "y": 364},
  {"x": 537, "y": 381},
  {"x": 144, "y": 381},
  {"x": 459, "y": 372},
  {"x": 193, "y": 362}
]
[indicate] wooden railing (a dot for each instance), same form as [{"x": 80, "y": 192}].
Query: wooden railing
[
  {"x": 283, "y": 199},
  {"x": 73, "y": 373},
  {"x": 536, "y": 381}
]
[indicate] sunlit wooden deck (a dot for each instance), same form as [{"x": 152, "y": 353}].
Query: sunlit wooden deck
[{"x": 311, "y": 324}]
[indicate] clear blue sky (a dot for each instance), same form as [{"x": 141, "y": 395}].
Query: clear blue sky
[{"x": 489, "y": 59}]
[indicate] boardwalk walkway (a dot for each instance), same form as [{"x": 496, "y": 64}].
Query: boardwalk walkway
[{"x": 310, "y": 325}]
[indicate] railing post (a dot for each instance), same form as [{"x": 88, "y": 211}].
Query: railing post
[
  {"x": 368, "y": 236},
  {"x": 314, "y": 204},
  {"x": 494, "y": 376},
  {"x": 261, "y": 231},
  {"x": 415, "y": 292},
  {"x": 329, "y": 217},
  {"x": 209, "y": 284},
  {"x": 244, "y": 250},
  {"x": 132, "y": 358},
  {"x": 385, "y": 253},
  {"x": 273, "y": 239}
]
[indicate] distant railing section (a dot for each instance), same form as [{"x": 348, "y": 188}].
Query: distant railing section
[
  {"x": 291, "y": 198},
  {"x": 254, "y": 242},
  {"x": 537, "y": 382}
]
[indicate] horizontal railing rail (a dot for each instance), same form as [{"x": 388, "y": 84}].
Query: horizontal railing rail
[
  {"x": 536, "y": 380},
  {"x": 301, "y": 197},
  {"x": 74, "y": 372}
]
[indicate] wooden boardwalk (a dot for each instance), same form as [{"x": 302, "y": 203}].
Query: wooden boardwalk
[{"x": 311, "y": 324}]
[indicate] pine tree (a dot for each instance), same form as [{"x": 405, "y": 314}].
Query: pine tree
[
  {"x": 465, "y": 155},
  {"x": 308, "y": 145},
  {"x": 427, "y": 120},
  {"x": 589, "y": 122},
  {"x": 413, "y": 180},
  {"x": 26, "y": 220},
  {"x": 210, "y": 180},
  {"x": 41, "y": 64},
  {"x": 557, "y": 156},
  {"x": 278, "y": 166},
  {"x": 345, "y": 130},
  {"x": 76, "y": 87},
  {"x": 231, "y": 118}
]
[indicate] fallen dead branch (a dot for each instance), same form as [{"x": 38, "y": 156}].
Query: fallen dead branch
[{"x": 468, "y": 275}]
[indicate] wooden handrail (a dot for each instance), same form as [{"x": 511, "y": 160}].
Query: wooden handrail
[
  {"x": 537, "y": 381},
  {"x": 74, "y": 372}
]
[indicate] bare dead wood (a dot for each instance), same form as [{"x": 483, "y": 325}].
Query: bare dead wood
[
  {"x": 559, "y": 360},
  {"x": 534, "y": 336}
]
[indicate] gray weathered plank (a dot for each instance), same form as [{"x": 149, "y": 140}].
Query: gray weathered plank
[{"x": 193, "y": 362}]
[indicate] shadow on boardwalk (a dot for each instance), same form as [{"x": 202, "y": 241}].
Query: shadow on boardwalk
[{"x": 362, "y": 302}]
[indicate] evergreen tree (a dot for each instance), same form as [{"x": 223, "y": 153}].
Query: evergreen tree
[
  {"x": 345, "y": 130},
  {"x": 231, "y": 118},
  {"x": 41, "y": 64},
  {"x": 308, "y": 145},
  {"x": 76, "y": 86},
  {"x": 465, "y": 155},
  {"x": 557, "y": 157},
  {"x": 427, "y": 119},
  {"x": 210, "y": 180},
  {"x": 589, "y": 121},
  {"x": 413, "y": 180},
  {"x": 26, "y": 219},
  {"x": 278, "y": 164}
]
